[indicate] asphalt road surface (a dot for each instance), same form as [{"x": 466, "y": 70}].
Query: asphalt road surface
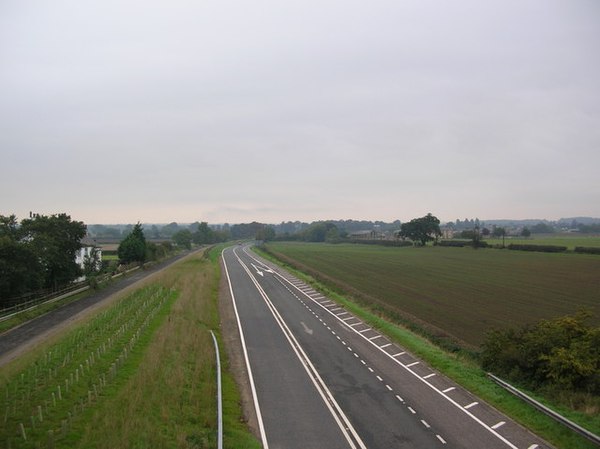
[{"x": 321, "y": 378}]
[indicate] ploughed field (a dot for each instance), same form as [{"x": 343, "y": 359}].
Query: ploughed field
[{"x": 461, "y": 291}]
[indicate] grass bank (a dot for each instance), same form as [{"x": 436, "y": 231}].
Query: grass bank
[
  {"x": 161, "y": 394},
  {"x": 459, "y": 366}
]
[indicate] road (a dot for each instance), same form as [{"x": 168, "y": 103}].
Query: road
[
  {"x": 12, "y": 342},
  {"x": 321, "y": 378}
]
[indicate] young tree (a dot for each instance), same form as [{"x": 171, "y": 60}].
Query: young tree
[{"x": 133, "y": 246}]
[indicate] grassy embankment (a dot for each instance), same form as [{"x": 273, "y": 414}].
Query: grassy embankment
[
  {"x": 139, "y": 374},
  {"x": 463, "y": 292}
]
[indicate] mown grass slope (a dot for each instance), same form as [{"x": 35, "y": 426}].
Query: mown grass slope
[
  {"x": 161, "y": 394},
  {"x": 457, "y": 291}
]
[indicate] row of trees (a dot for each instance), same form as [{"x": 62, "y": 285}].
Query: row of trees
[{"x": 38, "y": 253}]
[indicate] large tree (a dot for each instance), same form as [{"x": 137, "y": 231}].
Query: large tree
[
  {"x": 183, "y": 238},
  {"x": 55, "y": 240},
  {"x": 133, "y": 247},
  {"x": 421, "y": 230}
]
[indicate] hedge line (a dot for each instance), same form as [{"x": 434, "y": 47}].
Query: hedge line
[
  {"x": 379, "y": 242},
  {"x": 542, "y": 248},
  {"x": 461, "y": 243},
  {"x": 587, "y": 250}
]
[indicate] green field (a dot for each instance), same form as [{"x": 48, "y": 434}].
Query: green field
[
  {"x": 459, "y": 292},
  {"x": 568, "y": 240}
]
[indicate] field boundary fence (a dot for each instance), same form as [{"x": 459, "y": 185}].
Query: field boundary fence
[{"x": 541, "y": 407}]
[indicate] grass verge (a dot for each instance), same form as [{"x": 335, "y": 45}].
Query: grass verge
[
  {"x": 460, "y": 367},
  {"x": 163, "y": 394}
]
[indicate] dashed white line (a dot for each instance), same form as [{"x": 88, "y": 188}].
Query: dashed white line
[
  {"x": 412, "y": 410},
  {"x": 447, "y": 390},
  {"x": 412, "y": 364},
  {"x": 472, "y": 404},
  {"x": 426, "y": 424},
  {"x": 399, "y": 398},
  {"x": 379, "y": 378},
  {"x": 386, "y": 345},
  {"x": 400, "y": 353},
  {"x": 376, "y": 336},
  {"x": 370, "y": 369},
  {"x": 388, "y": 387},
  {"x": 428, "y": 376},
  {"x": 497, "y": 426},
  {"x": 441, "y": 439}
]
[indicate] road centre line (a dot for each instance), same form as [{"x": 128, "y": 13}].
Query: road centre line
[
  {"x": 426, "y": 382},
  {"x": 310, "y": 369}
]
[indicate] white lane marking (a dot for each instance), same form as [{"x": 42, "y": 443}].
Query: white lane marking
[
  {"x": 533, "y": 446},
  {"x": 339, "y": 416},
  {"x": 426, "y": 382},
  {"x": 370, "y": 369},
  {"x": 379, "y": 378},
  {"x": 340, "y": 314},
  {"x": 412, "y": 364},
  {"x": 426, "y": 424},
  {"x": 261, "y": 426},
  {"x": 412, "y": 410},
  {"x": 388, "y": 387},
  {"x": 337, "y": 308},
  {"x": 385, "y": 346},
  {"x": 363, "y": 362},
  {"x": 472, "y": 404},
  {"x": 400, "y": 353},
  {"x": 307, "y": 329},
  {"x": 348, "y": 319},
  {"x": 399, "y": 398},
  {"x": 356, "y": 324},
  {"x": 497, "y": 426},
  {"x": 447, "y": 390},
  {"x": 375, "y": 337},
  {"x": 364, "y": 330},
  {"x": 428, "y": 376},
  {"x": 441, "y": 439}
]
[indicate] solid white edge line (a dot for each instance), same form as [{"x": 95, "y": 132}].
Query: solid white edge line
[
  {"x": 430, "y": 385},
  {"x": 306, "y": 363},
  {"x": 261, "y": 426}
]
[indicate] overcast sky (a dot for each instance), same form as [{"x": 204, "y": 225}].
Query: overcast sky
[{"x": 116, "y": 111}]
